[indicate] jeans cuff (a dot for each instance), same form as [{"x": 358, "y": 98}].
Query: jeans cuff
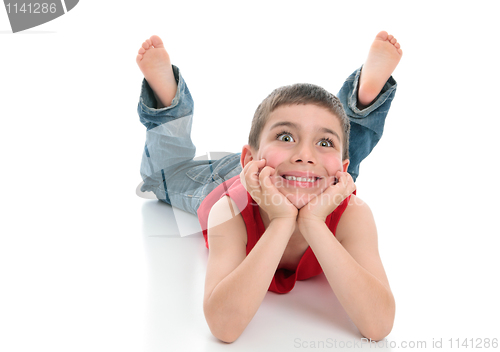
[
  {"x": 385, "y": 93},
  {"x": 147, "y": 100}
]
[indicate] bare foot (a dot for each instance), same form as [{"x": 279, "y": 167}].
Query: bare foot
[
  {"x": 154, "y": 62},
  {"x": 383, "y": 58}
]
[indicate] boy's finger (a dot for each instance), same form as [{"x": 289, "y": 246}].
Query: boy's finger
[
  {"x": 342, "y": 178},
  {"x": 247, "y": 171},
  {"x": 265, "y": 172},
  {"x": 265, "y": 177},
  {"x": 246, "y": 177},
  {"x": 257, "y": 165},
  {"x": 244, "y": 173},
  {"x": 252, "y": 176},
  {"x": 250, "y": 170},
  {"x": 335, "y": 180},
  {"x": 340, "y": 190},
  {"x": 347, "y": 185}
]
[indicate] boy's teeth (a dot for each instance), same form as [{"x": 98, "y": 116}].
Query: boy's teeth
[{"x": 299, "y": 179}]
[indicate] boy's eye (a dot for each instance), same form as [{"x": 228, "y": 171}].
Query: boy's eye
[
  {"x": 285, "y": 137},
  {"x": 325, "y": 143}
]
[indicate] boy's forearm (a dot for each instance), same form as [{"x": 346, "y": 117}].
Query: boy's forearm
[
  {"x": 368, "y": 302},
  {"x": 236, "y": 299}
]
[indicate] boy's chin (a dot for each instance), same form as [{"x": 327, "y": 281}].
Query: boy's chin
[
  {"x": 301, "y": 197},
  {"x": 300, "y": 205},
  {"x": 300, "y": 201}
]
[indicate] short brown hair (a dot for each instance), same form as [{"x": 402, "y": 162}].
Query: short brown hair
[{"x": 300, "y": 93}]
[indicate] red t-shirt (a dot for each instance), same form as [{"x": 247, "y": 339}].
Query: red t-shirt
[{"x": 283, "y": 280}]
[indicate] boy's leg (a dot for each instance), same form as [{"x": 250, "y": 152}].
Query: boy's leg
[
  {"x": 167, "y": 167},
  {"x": 367, "y": 95}
]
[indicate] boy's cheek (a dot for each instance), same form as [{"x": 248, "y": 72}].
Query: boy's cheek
[{"x": 272, "y": 157}]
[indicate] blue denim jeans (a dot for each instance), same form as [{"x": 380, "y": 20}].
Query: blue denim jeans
[{"x": 169, "y": 171}]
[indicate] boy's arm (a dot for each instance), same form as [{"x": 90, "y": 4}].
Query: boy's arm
[
  {"x": 354, "y": 269},
  {"x": 236, "y": 284}
]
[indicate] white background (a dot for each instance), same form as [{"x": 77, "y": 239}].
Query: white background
[{"x": 86, "y": 265}]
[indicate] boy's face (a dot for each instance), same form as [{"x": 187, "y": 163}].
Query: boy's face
[{"x": 301, "y": 141}]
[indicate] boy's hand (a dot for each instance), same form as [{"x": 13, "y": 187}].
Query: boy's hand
[
  {"x": 258, "y": 181},
  {"x": 323, "y": 204}
]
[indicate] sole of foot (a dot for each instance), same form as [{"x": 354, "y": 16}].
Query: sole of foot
[
  {"x": 383, "y": 57},
  {"x": 154, "y": 62}
]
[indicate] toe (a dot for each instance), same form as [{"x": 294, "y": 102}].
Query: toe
[
  {"x": 393, "y": 40},
  {"x": 382, "y": 35},
  {"x": 145, "y": 45},
  {"x": 149, "y": 42},
  {"x": 389, "y": 37},
  {"x": 138, "y": 58},
  {"x": 142, "y": 50},
  {"x": 397, "y": 46},
  {"x": 157, "y": 42}
]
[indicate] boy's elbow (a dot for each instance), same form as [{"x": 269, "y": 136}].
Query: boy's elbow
[
  {"x": 224, "y": 332},
  {"x": 226, "y": 336},
  {"x": 224, "y": 329},
  {"x": 378, "y": 330},
  {"x": 377, "y": 333}
]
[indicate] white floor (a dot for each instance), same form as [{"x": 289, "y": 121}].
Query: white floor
[
  {"x": 87, "y": 265},
  {"x": 174, "y": 315},
  {"x": 439, "y": 297},
  {"x": 126, "y": 280}
]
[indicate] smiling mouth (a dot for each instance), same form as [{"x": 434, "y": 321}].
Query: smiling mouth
[
  {"x": 300, "y": 182},
  {"x": 301, "y": 179}
]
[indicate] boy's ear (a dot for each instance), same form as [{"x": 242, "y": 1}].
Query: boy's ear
[
  {"x": 247, "y": 155},
  {"x": 345, "y": 164}
]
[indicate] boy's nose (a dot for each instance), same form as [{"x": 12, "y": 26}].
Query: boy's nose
[
  {"x": 308, "y": 161},
  {"x": 304, "y": 155}
]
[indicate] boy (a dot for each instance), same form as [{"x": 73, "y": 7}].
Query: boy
[{"x": 284, "y": 209}]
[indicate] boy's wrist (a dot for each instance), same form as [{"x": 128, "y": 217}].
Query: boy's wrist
[
  {"x": 286, "y": 225},
  {"x": 309, "y": 225}
]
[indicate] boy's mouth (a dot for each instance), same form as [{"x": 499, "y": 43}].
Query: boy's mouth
[
  {"x": 297, "y": 181},
  {"x": 300, "y": 179}
]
